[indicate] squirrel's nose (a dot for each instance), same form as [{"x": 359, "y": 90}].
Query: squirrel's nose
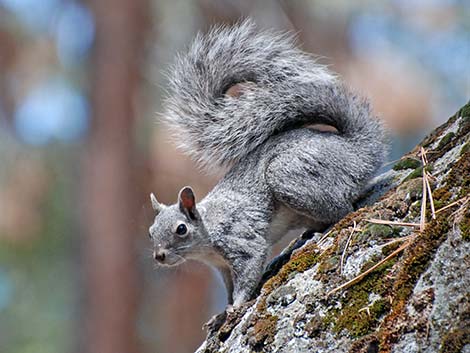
[{"x": 159, "y": 255}]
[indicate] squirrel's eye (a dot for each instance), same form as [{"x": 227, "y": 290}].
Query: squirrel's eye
[{"x": 181, "y": 229}]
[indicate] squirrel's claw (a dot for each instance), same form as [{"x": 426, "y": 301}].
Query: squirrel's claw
[{"x": 216, "y": 321}]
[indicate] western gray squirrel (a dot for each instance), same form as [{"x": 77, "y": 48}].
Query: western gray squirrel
[{"x": 248, "y": 101}]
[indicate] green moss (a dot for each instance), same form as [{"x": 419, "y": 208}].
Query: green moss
[
  {"x": 455, "y": 340},
  {"x": 357, "y": 315},
  {"x": 415, "y": 262},
  {"x": 368, "y": 344},
  {"x": 264, "y": 331},
  {"x": 465, "y": 111},
  {"x": 397, "y": 230},
  {"x": 328, "y": 267},
  {"x": 459, "y": 175},
  {"x": 414, "y": 211},
  {"x": 387, "y": 250},
  {"x": 380, "y": 307},
  {"x": 464, "y": 225},
  {"x": 464, "y": 126},
  {"x": 264, "y": 324},
  {"x": 419, "y": 255},
  {"x": 315, "y": 326},
  {"x": 300, "y": 262},
  {"x": 418, "y": 172},
  {"x": 465, "y": 148},
  {"x": 379, "y": 230},
  {"x": 382, "y": 231},
  {"x": 445, "y": 140},
  {"x": 441, "y": 197},
  {"x": 407, "y": 163},
  {"x": 384, "y": 267}
]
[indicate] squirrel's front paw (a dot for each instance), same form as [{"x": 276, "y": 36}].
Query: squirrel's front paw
[
  {"x": 215, "y": 322},
  {"x": 229, "y": 309},
  {"x": 218, "y": 320}
]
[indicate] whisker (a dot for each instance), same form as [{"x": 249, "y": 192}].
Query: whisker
[{"x": 184, "y": 247}]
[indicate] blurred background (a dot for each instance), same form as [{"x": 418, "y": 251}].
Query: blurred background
[{"x": 80, "y": 149}]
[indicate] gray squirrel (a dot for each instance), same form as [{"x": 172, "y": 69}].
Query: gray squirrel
[{"x": 250, "y": 101}]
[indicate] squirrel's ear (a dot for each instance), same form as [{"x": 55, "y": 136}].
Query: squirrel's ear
[
  {"x": 238, "y": 89},
  {"x": 157, "y": 206},
  {"x": 187, "y": 203}
]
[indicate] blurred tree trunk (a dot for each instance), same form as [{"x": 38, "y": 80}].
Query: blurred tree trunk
[
  {"x": 8, "y": 55},
  {"x": 108, "y": 202}
]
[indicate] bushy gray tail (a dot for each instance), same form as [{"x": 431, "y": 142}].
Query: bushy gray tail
[{"x": 283, "y": 88}]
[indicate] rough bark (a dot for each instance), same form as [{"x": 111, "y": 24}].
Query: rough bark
[{"x": 418, "y": 300}]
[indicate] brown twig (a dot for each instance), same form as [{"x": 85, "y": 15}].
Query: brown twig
[
  {"x": 365, "y": 273},
  {"x": 463, "y": 199},
  {"x": 395, "y": 223},
  {"x": 346, "y": 248},
  {"x": 426, "y": 187},
  {"x": 422, "y": 219},
  {"x": 431, "y": 200},
  {"x": 324, "y": 236},
  {"x": 426, "y": 177},
  {"x": 391, "y": 162},
  {"x": 397, "y": 240},
  {"x": 460, "y": 209}
]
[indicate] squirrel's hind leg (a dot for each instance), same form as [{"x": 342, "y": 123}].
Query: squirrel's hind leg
[{"x": 309, "y": 186}]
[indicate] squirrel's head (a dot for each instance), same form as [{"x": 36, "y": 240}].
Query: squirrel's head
[{"x": 177, "y": 231}]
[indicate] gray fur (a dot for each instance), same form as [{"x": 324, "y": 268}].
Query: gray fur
[{"x": 283, "y": 175}]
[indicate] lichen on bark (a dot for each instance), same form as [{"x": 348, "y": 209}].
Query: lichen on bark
[{"x": 417, "y": 301}]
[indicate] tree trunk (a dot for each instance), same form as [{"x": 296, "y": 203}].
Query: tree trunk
[
  {"x": 108, "y": 203},
  {"x": 396, "y": 285}
]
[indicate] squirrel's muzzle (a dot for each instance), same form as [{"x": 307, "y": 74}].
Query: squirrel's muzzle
[
  {"x": 160, "y": 255},
  {"x": 165, "y": 257}
]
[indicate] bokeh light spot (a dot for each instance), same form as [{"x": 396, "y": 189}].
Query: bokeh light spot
[
  {"x": 53, "y": 110},
  {"x": 6, "y": 290},
  {"x": 34, "y": 14},
  {"x": 74, "y": 31}
]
